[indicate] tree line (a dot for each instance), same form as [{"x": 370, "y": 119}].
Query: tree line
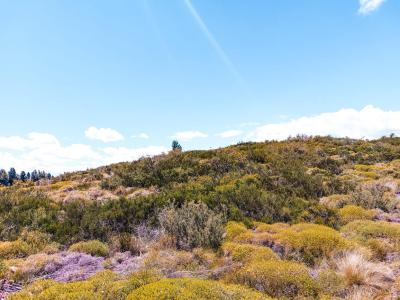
[{"x": 8, "y": 178}]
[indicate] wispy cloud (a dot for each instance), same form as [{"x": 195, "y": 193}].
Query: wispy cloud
[
  {"x": 189, "y": 135},
  {"x": 103, "y": 134},
  {"x": 230, "y": 133},
  {"x": 368, "y": 6},
  {"x": 370, "y": 122},
  {"x": 142, "y": 135},
  {"x": 213, "y": 41}
]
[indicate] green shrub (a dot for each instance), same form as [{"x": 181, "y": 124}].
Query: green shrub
[
  {"x": 193, "y": 289},
  {"x": 95, "y": 248},
  {"x": 371, "y": 196},
  {"x": 193, "y": 225},
  {"x": 277, "y": 278}
]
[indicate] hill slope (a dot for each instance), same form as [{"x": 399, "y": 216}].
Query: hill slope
[{"x": 331, "y": 202}]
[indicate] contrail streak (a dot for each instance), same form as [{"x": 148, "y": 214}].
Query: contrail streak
[{"x": 210, "y": 37}]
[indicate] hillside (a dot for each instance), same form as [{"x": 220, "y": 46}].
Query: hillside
[{"x": 302, "y": 218}]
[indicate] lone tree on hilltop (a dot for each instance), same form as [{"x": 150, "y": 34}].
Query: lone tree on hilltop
[{"x": 176, "y": 146}]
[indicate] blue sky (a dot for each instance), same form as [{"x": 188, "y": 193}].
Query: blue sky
[{"x": 210, "y": 73}]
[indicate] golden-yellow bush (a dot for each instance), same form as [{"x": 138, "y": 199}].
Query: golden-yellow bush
[
  {"x": 193, "y": 289},
  {"x": 365, "y": 230},
  {"x": 277, "y": 278},
  {"x": 247, "y": 252},
  {"x": 235, "y": 229},
  {"x": 15, "y": 249},
  {"x": 311, "y": 242},
  {"x": 119, "y": 290},
  {"x": 271, "y": 228},
  {"x": 94, "y": 247},
  {"x": 351, "y": 213}
]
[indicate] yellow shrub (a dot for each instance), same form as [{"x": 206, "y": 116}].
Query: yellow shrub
[
  {"x": 365, "y": 230},
  {"x": 363, "y": 168},
  {"x": 246, "y": 252},
  {"x": 193, "y": 289},
  {"x": 119, "y": 290},
  {"x": 351, "y": 213},
  {"x": 71, "y": 291},
  {"x": 93, "y": 288},
  {"x": 277, "y": 278},
  {"x": 32, "y": 290},
  {"x": 311, "y": 242},
  {"x": 94, "y": 247},
  {"x": 234, "y": 229},
  {"x": 13, "y": 249},
  {"x": 39, "y": 242},
  {"x": 271, "y": 228}
]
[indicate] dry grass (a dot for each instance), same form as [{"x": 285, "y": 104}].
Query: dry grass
[{"x": 358, "y": 271}]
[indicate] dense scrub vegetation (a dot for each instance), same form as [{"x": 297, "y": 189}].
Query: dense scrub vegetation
[{"x": 307, "y": 217}]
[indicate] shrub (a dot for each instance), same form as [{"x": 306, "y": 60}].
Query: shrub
[
  {"x": 119, "y": 290},
  {"x": 127, "y": 242},
  {"x": 246, "y": 252},
  {"x": 193, "y": 225},
  {"x": 193, "y": 289},
  {"x": 27, "y": 269},
  {"x": 335, "y": 201},
  {"x": 39, "y": 242},
  {"x": 170, "y": 261},
  {"x": 95, "y": 248},
  {"x": 277, "y": 278},
  {"x": 370, "y": 196},
  {"x": 32, "y": 290},
  {"x": 311, "y": 242},
  {"x": 351, "y": 213},
  {"x": 15, "y": 249},
  {"x": 365, "y": 230},
  {"x": 331, "y": 283},
  {"x": 234, "y": 229},
  {"x": 104, "y": 285}
]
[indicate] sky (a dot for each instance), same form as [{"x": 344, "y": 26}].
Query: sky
[{"x": 88, "y": 83}]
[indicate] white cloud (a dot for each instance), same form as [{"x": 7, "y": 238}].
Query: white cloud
[
  {"x": 368, "y": 6},
  {"x": 118, "y": 154},
  {"x": 229, "y": 134},
  {"x": 370, "y": 122},
  {"x": 44, "y": 151},
  {"x": 103, "y": 134},
  {"x": 142, "y": 135},
  {"x": 189, "y": 135}
]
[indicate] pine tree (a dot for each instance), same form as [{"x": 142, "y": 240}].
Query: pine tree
[
  {"x": 4, "y": 177},
  {"x": 176, "y": 146},
  {"x": 12, "y": 175},
  {"x": 22, "y": 176},
  {"x": 35, "y": 175}
]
